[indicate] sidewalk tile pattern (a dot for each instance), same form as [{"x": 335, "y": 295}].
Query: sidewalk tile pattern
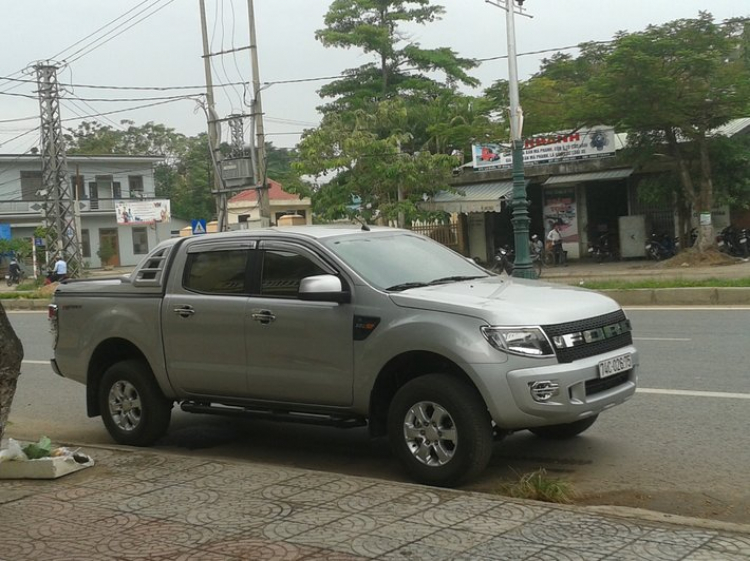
[{"x": 142, "y": 505}]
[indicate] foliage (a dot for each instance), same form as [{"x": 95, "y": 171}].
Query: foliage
[
  {"x": 106, "y": 252},
  {"x": 375, "y": 176},
  {"x": 400, "y": 68},
  {"x": 37, "y": 450},
  {"x": 19, "y": 247},
  {"x": 538, "y": 486}
]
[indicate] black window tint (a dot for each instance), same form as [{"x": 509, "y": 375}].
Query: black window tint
[
  {"x": 283, "y": 271},
  {"x": 217, "y": 272}
]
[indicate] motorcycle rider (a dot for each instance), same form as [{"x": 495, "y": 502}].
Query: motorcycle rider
[
  {"x": 536, "y": 247},
  {"x": 14, "y": 271},
  {"x": 59, "y": 271}
]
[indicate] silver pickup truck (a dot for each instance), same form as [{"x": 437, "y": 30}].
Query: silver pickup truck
[{"x": 347, "y": 327}]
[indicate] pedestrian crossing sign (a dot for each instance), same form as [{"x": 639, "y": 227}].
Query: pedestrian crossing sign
[{"x": 199, "y": 226}]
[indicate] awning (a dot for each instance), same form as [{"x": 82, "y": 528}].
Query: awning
[
  {"x": 476, "y": 197},
  {"x": 609, "y": 175}
]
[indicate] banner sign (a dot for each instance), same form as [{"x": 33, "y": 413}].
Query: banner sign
[
  {"x": 135, "y": 213},
  {"x": 560, "y": 208},
  {"x": 549, "y": 148}
]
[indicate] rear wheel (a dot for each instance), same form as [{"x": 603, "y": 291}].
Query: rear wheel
[
  {"x": 440, "y": 430},
  {"x": 563, "y": 432},
  {"x": 132, "y": 405}
]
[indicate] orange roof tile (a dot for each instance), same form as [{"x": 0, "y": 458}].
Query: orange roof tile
[{"x": 275, "y": 193}]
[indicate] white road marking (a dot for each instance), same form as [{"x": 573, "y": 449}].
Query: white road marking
[
  {"x": 695, "y": 393},
  {"x": 661, "y": 339},
  {"x": 45, "y": 362}
]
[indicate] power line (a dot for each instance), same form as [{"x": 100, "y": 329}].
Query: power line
[{"x": 93, "y": 45}]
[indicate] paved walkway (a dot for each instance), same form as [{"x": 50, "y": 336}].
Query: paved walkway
[{"x": 145, "y": 505}]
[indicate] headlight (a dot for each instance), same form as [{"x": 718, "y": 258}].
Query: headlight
[{"x": 525, "y": 341}]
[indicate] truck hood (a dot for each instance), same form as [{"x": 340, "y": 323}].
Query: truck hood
[{"x": 502, "y": 301}]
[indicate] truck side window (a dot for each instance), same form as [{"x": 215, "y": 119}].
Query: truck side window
[
  {"x": 283, "y": 271},
  {"x": 216, "y": 272}
]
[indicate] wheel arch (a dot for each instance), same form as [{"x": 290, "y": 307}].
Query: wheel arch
[
  {"x": 400, "y": 370},
  {"x": 107, "y": 353}
]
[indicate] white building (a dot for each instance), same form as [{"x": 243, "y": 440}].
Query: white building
[
  {"x": 96, "y": 183},
  {"x": 244, "y": 210}
]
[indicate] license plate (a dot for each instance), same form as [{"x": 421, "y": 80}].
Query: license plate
[{"x": 615, "y": 365}]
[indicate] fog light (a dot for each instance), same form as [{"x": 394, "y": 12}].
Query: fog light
[{"x": 543, "y": 390}]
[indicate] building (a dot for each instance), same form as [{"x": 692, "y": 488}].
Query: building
[
  {"x": 116, "y": 203},
  {"x": 244, "y": 211},
  {"x": 581, "y": 180}
]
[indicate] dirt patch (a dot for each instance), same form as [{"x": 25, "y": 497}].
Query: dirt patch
[
  {"x": 696, "y": 505},
  {"x": 694, "y": 258},
  {"x": 48, "y": 289}
]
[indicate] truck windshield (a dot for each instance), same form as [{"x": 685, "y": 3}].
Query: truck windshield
[{"x": 399, "y": 261}]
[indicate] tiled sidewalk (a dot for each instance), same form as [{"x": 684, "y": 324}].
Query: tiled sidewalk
[{"x": 144, "y": 505}]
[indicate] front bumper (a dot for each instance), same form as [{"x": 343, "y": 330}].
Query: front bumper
[{"x": 581, "y": 392}]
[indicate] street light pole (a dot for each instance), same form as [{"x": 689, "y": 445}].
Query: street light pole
[{"x": 519, "y": 203}]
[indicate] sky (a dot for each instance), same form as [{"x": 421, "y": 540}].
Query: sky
[{"x": 157, "y": 44}]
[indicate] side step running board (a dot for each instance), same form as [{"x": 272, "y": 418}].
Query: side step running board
[{"x": 274, "y": 415}]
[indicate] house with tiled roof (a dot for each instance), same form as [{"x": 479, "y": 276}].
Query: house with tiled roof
[{"x": 244, "y": 211}]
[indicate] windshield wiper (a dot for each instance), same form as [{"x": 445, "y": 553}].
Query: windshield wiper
[
  {"x": 407, "y": 285},
  {"x": 456, "y": 278}
]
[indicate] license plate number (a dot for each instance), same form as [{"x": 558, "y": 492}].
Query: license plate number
[{"x": 615, "y": 365}]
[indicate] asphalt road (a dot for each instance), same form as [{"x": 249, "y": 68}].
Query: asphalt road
[{"x": 679, "y": 446}]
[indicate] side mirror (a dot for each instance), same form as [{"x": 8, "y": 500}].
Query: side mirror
[{"x": 323, "y": 288}]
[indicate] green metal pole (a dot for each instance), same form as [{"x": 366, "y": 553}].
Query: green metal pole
[{"x": 520, "y": 220}]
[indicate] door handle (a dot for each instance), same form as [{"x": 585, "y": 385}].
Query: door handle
[
  {"x": 263, "y": 316},
  {"x": 184, "y": 311}
]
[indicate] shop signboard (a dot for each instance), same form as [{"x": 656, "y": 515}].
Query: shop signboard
[{"x": 549, "y": 148}]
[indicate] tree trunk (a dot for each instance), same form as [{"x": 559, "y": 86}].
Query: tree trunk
[
  {"x": 706, "y": 238},
  {"x": 11, "y": 355}
]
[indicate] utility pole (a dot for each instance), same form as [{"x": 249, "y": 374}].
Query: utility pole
[
  {"x": 519, "y": 203},
  {"x": 259, "y": 170},
  {"x": 59, "y": 218},
  {"x": 214, "y": 130}
]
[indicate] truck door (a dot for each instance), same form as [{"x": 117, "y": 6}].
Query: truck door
[
  {"x": 297, "y": 351},
  {"x": 203, "y": 318}
]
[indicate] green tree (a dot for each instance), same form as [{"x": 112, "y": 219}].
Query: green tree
[
  {"x": 670, "y": 87},
  {"x": 400, "y": 67},
  {"x": 372, "y": 170}
]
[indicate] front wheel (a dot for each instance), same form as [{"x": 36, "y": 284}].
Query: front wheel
[
  {"x": 563, "y": 432},
  {"x": 440, "y": 430},
  {"x": 132, "y": 405}
]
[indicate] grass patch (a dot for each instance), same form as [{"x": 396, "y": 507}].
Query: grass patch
[
  {"x": 665, "y": 283},
  {"x": 33, "y": 295},
  {"x": 538, "y": 486}
]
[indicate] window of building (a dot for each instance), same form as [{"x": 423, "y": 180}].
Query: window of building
[
  {"x": 283, "y": 271},
  {"x": 31, "y": 184},
  {"x": 85, "y": 243},
  {"x": 135, "y": 185},
  {"x": 216, "y": 272},
  {"x": 140, "y": 241},
  {"x": 76, "y": 186}
]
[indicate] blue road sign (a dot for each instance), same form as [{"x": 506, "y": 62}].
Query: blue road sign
[{"x": 199, "y": 226}]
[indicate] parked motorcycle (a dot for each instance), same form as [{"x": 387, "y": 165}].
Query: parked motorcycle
[
  {"x": 603, "y": 249},
  {"x": 505, "y": 258},
  {"x": 733, "y": 241},
  {"x": 660, "y": 247}
]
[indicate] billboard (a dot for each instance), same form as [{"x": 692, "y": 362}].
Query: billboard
[
  {"x": 596, "y": 142},
  {"x": 135, "y": 213}
]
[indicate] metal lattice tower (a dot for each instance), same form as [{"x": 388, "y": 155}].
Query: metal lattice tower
[{"x": 62, "y": 234}]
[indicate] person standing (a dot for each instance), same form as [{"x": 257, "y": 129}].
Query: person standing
[{"x": 554, "y": 237}]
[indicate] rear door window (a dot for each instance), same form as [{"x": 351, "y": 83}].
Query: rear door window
[{"x": 217, "y": 272}]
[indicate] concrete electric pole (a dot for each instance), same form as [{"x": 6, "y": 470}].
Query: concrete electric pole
[
  {"x": 264, "y": 204},
  {"x": 519, "y": 202},
  {"x": 214, "y": 128},
  {"x": 60, "y": 213}
]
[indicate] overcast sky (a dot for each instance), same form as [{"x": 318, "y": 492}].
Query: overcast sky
[{"x": 158, "y": 44}]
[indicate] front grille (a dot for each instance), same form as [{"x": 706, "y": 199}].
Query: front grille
[
  {"x": 594, "y": 348},
  {"x": 603, "y": 384}
]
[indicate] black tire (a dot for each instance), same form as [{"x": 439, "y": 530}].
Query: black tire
[
  {"x": 563, "y": 432},
  {"x": 462, "y": 443},
  {"x": 132, "y": 405}
]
